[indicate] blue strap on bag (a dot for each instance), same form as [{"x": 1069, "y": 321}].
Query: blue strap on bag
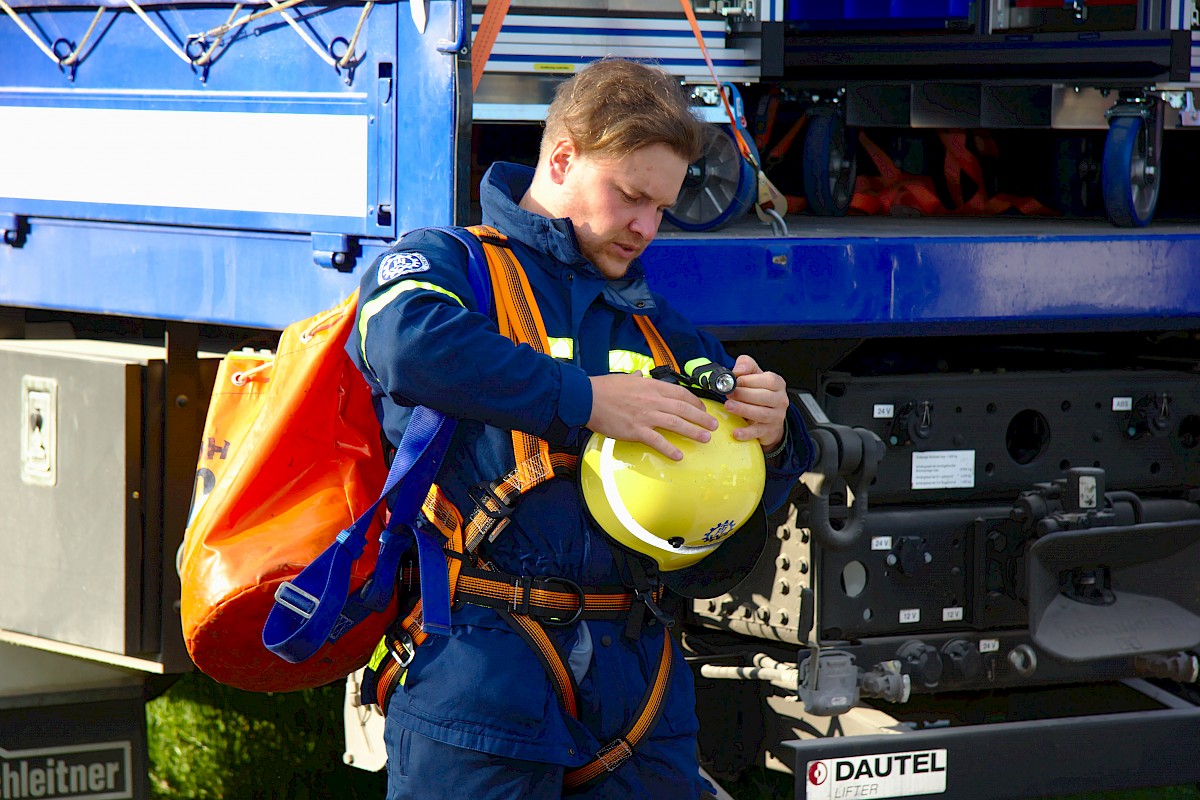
[{"x": 315, "y": 607}]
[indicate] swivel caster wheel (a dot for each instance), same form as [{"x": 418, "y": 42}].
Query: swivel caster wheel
[
  {"x": 1130, "y": 170},
  {"x": 829, "y": 163},
  {"x": 718, "y": 188}
]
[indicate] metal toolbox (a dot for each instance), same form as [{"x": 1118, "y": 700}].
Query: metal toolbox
[{"x": 87, "y": 559}]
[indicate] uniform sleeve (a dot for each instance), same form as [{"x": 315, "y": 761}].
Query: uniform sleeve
[
  {"x": 420, "y": 339},
  {"x": 693, "y": 346}
]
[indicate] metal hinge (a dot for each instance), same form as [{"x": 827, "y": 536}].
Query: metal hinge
[
  {"x": 13, "y": 229},
  {"x": 334, "y": 251}
]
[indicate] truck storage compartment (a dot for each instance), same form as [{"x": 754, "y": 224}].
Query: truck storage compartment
[{"x": 85, "y": 456}]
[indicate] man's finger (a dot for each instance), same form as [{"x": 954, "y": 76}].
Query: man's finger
[
  {"x": 751, "y": 396},
  {"x": 688, "y": 401},
  {"x": 663, "y": 445},
  {"x": 745, "y": 365}
]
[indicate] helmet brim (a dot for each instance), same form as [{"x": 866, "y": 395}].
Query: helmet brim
[{"x": 725, "y": 567}]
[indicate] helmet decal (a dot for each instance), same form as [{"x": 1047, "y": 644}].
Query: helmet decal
[{"x": 719, "y": 532}]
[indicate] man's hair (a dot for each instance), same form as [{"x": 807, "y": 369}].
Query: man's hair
[{"x": 615, "y": 106}]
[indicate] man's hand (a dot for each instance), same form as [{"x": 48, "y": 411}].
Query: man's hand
[
  {"x": 633, "y": 408},
  {"x": 761, "y": 399}
]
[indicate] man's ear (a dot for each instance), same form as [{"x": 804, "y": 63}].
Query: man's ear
[{"x": 561, "y": 159}]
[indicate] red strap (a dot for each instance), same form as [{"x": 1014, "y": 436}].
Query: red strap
[
  {"x": 771, "y": 101},
  {"x": 784, "y": 144},
  {"x": 743, "y": 148},
  {"x": 485, "y": 38},
  {"x": 895, "y": 191},
  {"x": 888, "y": 171}
]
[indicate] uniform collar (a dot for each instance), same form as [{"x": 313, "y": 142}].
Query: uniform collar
[{"x": 501, "y": 190}]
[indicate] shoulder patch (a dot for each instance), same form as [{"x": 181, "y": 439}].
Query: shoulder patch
[{"x": 397, "y": 265}]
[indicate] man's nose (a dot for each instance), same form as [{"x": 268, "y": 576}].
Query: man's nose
[{"x": 645, "y": 224}]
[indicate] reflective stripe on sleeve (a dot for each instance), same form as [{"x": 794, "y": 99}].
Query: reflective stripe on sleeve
[
  {"x": 629, "y": 361},
  {"x": 381, "y": 300},
  {"x": 562, "y": 348}
]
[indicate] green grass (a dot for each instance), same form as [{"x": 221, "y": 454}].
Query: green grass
[{"x": 210, "y": 742}]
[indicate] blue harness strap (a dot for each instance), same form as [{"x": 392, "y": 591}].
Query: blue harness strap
[{"x": 314, "y": 607}]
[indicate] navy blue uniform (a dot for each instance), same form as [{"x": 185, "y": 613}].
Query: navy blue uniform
[{"x": 420, "y": 339}]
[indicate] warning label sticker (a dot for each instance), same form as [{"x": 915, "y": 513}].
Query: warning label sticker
[
  {"x": 886, "y": 775},
  {"x": 944, "y": 469}
]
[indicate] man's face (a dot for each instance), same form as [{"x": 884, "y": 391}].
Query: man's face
[{"x": 616, "y": 204}]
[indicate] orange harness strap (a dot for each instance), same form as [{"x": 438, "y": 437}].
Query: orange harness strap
[
  {"x": 519, "y": 319},
  {"x": 658, "y": 346},
  {"x": 616, "y": 752}
]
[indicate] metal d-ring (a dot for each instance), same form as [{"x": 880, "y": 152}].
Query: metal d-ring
[
  {"x": 575, "y": 587},
  {"x": 195, "y": 47},
  {"x": 63, "y": 49},
  {"x": 342, "y": 43}
]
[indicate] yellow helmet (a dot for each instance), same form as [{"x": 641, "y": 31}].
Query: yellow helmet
[{"x": 700, "y": 519}]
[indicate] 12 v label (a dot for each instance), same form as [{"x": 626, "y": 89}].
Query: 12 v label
[{"x": 884, "y": 775}]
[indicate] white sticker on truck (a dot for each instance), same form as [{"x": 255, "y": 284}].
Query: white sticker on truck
[
  {"x": 943, "y": 469},
  {"x": 884, "y": 775}
]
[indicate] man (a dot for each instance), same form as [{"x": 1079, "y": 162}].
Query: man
[{"x": 477, "y": 714}]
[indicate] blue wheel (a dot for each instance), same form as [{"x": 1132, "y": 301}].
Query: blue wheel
[
  {"x": 719, "y": 187},
  {"x": 829, "y": 163},
  {"x": 1128, "y": 173}
]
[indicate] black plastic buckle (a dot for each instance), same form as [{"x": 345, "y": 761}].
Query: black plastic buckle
[
  {"x": 552, "y": 622},
  {"x": 665, "y": 373},
  {"x": 480, "y": 493},
  {"x": 646, "y": 598}
]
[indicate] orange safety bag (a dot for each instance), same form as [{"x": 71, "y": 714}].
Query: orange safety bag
[{"x": 291, "y": 454}]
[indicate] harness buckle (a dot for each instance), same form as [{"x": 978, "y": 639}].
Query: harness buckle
[
  {"x": 552, "y": 622},
  {"x": 646, "y": 598},
  {"x": 296, "y": 600},
  {"x": 485, "y": 498},
  {"x": 481, "y": 493},
  {"x": 614, "y": 754},
  {"x": 405, "y": 643}
]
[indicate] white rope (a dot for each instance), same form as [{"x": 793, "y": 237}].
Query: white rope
[
  {"x": 228, "y": 26},
  {"x": 348, "y": 58},
  {"x": 207, "y": 55},
  {"x": 33, "y": 37},
  {"x": 245, "y": 376},
  {"x": 215, "y": 34},
  {"x": 303, "y": 34},
  {"x": 158, "y": 31},
  {"x": 73, "y": 56}
]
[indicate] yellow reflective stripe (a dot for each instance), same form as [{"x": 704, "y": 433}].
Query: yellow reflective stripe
[
  {"x": 381, "y": 652},
  {"x": 629, "y": 361},
  {"x": 695, "y": 362},
  {"x": 379, "y": 301},
  {"x": 561, "y": 347}
]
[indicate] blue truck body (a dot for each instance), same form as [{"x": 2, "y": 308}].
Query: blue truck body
[{"x": 214, "y": 172}]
